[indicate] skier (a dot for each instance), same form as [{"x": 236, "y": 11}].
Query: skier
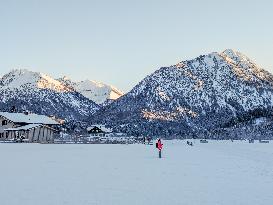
[{"x": 159, "y": 146}]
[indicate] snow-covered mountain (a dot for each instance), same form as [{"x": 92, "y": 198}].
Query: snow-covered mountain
[
  {"x": 95, "y": 91},
  {"x": 23, "y": 79},
  {"x": 42, "y": 94},
  {"x": 193, "y": 96}
]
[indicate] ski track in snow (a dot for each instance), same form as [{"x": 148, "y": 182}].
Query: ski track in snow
[{"x": 220, "y": 172}]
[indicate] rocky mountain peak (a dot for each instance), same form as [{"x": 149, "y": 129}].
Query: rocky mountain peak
[{"x": 194, "y": 95}]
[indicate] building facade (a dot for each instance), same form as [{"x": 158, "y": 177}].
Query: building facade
[
  {"x": 29, "y": 127},
  {"x": 98, "y": 131}
]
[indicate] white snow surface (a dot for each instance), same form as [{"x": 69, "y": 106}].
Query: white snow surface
[{"x": 220, "y": 172}]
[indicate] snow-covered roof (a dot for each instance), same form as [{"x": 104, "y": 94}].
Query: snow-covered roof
[
  {"x": 28, "y": 118},
  {"x": 26, "y": 127}
]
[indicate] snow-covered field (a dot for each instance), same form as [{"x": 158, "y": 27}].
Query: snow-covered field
[{"x": 223, "y": 172}]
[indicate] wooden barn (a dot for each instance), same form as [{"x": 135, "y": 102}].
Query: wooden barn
[{"x": 29, "y": 127}]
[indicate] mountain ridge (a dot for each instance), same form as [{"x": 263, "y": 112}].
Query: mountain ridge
[
  {"x": 192, "y": 96},
  {"x": 96, "y": 91},
  {"x": 39, "y": 93},
  {"x": 203, "y": 96}
]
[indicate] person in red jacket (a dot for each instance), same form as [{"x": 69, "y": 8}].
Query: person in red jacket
[{"x": 159, "y": 146}]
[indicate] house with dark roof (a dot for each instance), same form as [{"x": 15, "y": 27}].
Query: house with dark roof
[
  {"x": 98, "y": 130},
  {"x": 27, "y": 126}
]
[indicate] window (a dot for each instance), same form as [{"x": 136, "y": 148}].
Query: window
[{"x": 4, "y": 122}]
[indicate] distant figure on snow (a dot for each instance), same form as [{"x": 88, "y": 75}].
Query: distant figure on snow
[
  {"x": 189, "y": 143},
  {"x": 159, "y": 146}
]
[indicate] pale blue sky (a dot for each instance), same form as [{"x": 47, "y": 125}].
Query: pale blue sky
[{"x": 120, "y": 42}]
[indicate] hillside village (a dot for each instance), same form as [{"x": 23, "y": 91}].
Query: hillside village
[{"x": 33, "y": 128}]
